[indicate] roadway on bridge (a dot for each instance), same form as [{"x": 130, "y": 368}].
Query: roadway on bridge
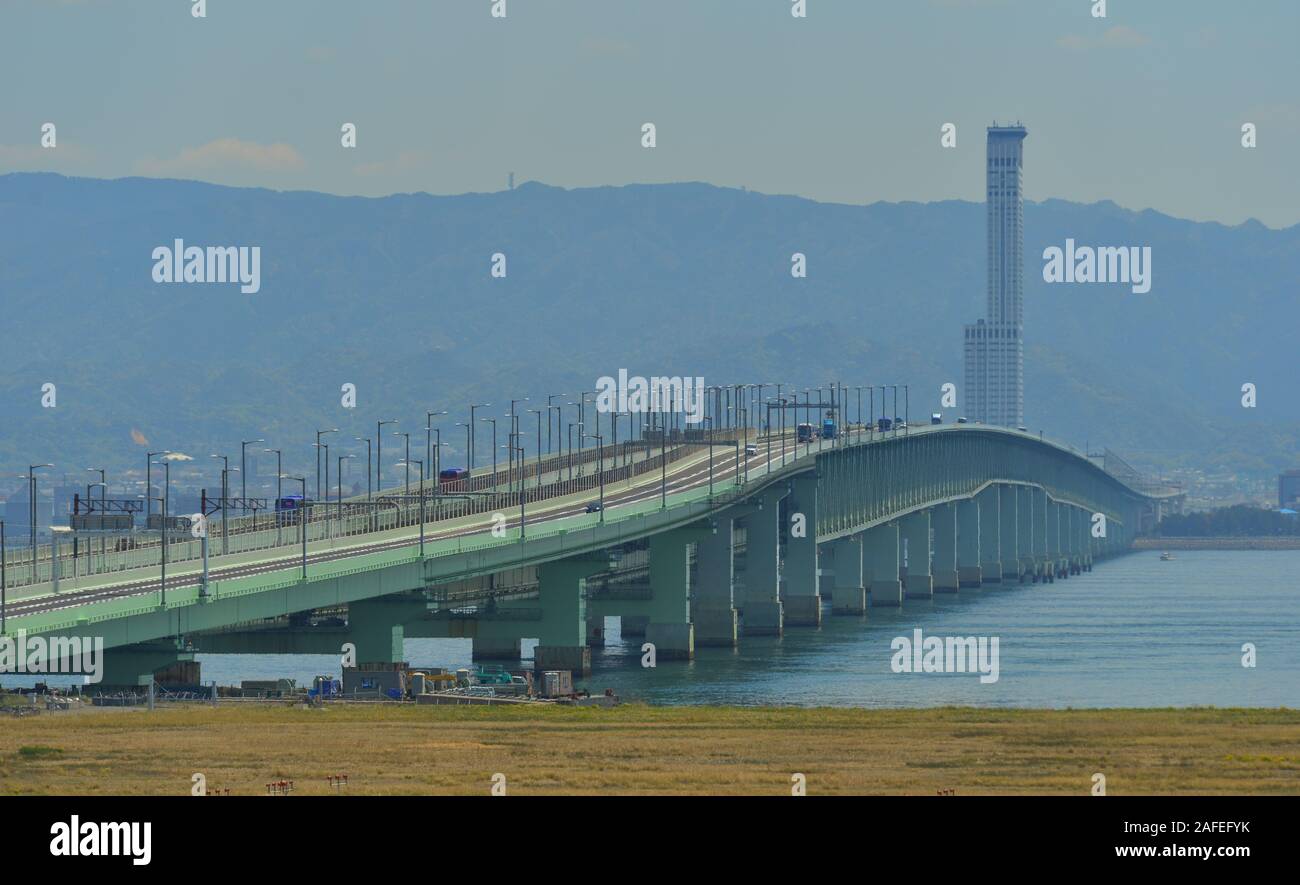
[{"x": 683, "y": 477}]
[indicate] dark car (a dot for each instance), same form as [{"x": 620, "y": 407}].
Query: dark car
[{"x": 595, "y": 507}]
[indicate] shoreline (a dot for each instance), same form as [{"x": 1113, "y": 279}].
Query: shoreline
[{"x": 1217, "y": 543}]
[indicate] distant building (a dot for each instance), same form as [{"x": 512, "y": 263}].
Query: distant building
[
  {"x": 1288, "y": 490},
  {"x": 993, "y": 349}
]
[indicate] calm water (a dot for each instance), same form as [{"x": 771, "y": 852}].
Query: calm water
[{"x": 1134, "y": 632}]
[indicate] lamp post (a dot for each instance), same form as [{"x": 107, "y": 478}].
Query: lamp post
[
  {"x": 366, "y": 440},
  {"x": 548, "y": 419},
  {"x": 493, "y": 422},
  {"x": 339, "y": 480},
  {"x": 470, "y": 455},
  {"x": 276, "y": 511},
  {"x": 538, "y": 413},
  {"x": 148, "y": 480},
  {"x": 103, "y": 491},
  {"x": 304, "y": 510},
  {"x": 319, "y": 434},
  {"x": 406, "y": 456},
  {"x": 167, "y": 475},
  {"x": 379, "y": 453},
  {"x": 429, "y": 430},
  {"x": 600, "y": 469},
  {"x": 243, "y": 472},
  {"x": 408, "y": 465}
]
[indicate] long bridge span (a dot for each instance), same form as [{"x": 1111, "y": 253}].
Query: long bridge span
[{"x": 696, "y": 545}]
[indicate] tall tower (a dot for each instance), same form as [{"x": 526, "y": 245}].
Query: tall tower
[{"x": 994, "y": 352}]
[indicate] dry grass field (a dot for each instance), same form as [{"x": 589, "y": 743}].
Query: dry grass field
[{"x": 637, "y": 749}]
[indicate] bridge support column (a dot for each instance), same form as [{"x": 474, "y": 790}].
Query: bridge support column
[
  {"x": 595, "y": 631},
  {"x": 1055, "y": 554},
  {"x": 880, "y": 562},
  {"x": 714, "y": 612},
  {"x": 562, "y": 632},
  {"x": 633, "y": 625},
  {"x": 989, "y": 502},
  {"x": 802, "y": 598},
  {"x": 763, "y": 614},
  {"x": 915, "y": 531},
  {"x": 849, "y": 593},
  {"x": 943, "y": 521},
  {"x": 495, "y": 648},
  {"x": 375, "y": 626},
  {"x": 145, "y": 662},
  {"x": 670, "y": 629},
  {"x": 1025, "y": 533},
  {"x": 969, "y": 573},
  {"x": 1043, "y": 566},
  {"x": 1009, "y": 533}
]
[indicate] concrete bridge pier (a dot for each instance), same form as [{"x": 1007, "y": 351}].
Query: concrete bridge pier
[
  {"x": 595, "y": 630},
  {"x": 714, "y": 612},
  {"x": 670, "y": 629},
  {"x": 849, "y": 592},
  {"x": 880, "y": 562},
  {"x": 1025, "y": 534},
  {"x": 989, "y": 504},
  {"x": 914, "y": 530},
  {"x": 1009, "y": 533},
  {"x": 562, "y": 631},
  {"x": 495, "y": 648},
  {"x": 802, "y": 599},
  {"x": 142, "y": 663},
  {"x": 943, "y": 522},
  {"x": 1043, "y": 567},
  {"x": 969, "y": 572},
  {"x": 633, "y": 625},
  {"x": 763, "y": 613},
  {"x": 376, "y": 626}
]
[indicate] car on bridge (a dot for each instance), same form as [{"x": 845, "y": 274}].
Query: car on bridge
[
  {"x": 751, "y": 450},
  {"x": 595, "y": 506}
]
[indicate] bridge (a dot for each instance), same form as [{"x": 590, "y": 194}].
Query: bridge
[{"x": 704, "y": 538}]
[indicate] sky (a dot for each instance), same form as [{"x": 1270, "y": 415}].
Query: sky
[{"x": 1143, "y": 107}]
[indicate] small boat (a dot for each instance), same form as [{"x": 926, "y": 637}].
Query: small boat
[{"x": 1166, "y": 556}]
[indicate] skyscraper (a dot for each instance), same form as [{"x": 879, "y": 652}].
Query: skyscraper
[{"x": 994, "y": 352}]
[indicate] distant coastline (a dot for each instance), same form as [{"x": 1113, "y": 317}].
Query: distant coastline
[{"x": 1219, "y": 543}]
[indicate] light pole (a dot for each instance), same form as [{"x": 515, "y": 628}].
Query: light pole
[
  {"x": 276, "y": 510},
  {"x": 303, "y": 510},
  {"x": 600, "y": 469},
  {"x": 103, "y": 491},
  {"x": 319, "y": 434},
  {"x": 549, "y": 406},
  {"x": 167, "y": 475},
  {"x": 148, "y": 481},
  {"x": 493, "y": 422},
  {"x": 379, "y": 453},
  {"x": 421, "y": 463},
  {"x": 429, "y": 430},
  {"x": 470, "y": 455},
  {"x": 366, "y": 440},
  {"x": 406, "y": 488},
  {"x": 339, "y": 496},
  {"x": 538, "y": 413},
  {"x": 243, "y": 471},
  {"x": 31, "y": 502}
]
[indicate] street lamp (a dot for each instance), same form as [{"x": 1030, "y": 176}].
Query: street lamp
[
  {"x": 31, "y": 502},
  {"x": 243, "y": 471},
  {"x": 366, "y": 440},
  {"x": 303, "y": 509},
  {"x": 276, "y": 510},
  {"x": 379, "y": 453},
  {"x": 470, "y": 454},
  {"x": 148, "y": 479},
  {"x": 407, "y": 456},
  {"x": 600, "y": 461},
  {"x": 319, "y": 434},
  {"x": 493, "y": 422}
]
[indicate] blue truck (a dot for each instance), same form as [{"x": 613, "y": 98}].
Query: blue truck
[{"x": 828, "y": 429}]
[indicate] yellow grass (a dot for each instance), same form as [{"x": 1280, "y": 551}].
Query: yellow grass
[{"x": 638, "y": 749}]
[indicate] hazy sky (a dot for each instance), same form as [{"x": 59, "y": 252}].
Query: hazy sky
[{"x": 1143, "y": 107}]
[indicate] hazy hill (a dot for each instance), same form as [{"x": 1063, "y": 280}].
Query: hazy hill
[{"x": 394, "y": 295}]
